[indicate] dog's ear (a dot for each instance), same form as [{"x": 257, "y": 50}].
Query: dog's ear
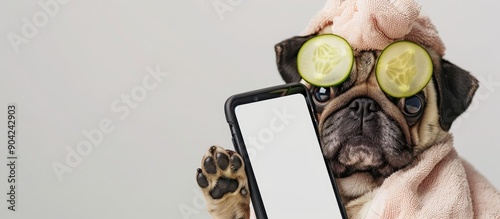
[
  {"x": 456, "y": 87},
  {"x": 286, "y": 57}
]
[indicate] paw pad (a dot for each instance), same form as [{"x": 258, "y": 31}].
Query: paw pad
[
  {"x": 222, "y": 160},
  {"x": 223, "y": 186},
  {"x": 209, "y": 165},
  {"x": 216, "y": 178},
  {"x": 201, "y": 179}
]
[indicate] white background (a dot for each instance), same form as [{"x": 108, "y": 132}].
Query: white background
[{"x": 90, "y": 53}]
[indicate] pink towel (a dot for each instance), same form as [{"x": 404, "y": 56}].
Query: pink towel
[
  {"x": 439, "y": 185},
  {"x": 374, "y": 24}
]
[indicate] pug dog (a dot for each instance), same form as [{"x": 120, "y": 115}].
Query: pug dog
[{"x": 379, "y": 134}]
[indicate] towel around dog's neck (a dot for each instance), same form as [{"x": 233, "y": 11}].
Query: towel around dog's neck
[{"x": 374, "y": 24}]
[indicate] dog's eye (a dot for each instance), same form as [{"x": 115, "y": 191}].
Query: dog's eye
[
  {"x": 413, "y": 108},
  {"x": 321, "y": 94},
  {"x": 413, "y": 105}
]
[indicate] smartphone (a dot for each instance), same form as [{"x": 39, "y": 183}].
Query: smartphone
[{"x": 275, "y": 131}]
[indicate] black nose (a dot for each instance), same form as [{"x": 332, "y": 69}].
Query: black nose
[{"x": 364, "y": 108}]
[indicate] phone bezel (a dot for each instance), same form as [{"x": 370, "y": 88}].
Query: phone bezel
[{"x": 260, "y": 95}]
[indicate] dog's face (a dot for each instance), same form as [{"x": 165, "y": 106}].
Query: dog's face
[{"x": 364, "y": 130}]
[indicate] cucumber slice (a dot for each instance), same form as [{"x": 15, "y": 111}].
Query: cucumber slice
[
  {"x": 325, "y": 60},
  {"x": 403, "y": 69}
]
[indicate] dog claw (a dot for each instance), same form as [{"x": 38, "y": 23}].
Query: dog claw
[{"x": 212, "y": 149}]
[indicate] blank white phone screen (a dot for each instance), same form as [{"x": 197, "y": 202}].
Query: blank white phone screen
[{"x": 286, "y": 158}]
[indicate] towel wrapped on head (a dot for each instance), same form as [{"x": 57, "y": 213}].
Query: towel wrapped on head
[{"x": 374, "y": 24}]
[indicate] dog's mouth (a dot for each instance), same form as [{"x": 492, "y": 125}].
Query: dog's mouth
[{"x": 362, "y": 138}]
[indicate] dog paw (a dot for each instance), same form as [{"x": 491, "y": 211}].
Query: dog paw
[{"x": 223, "y": 182}]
